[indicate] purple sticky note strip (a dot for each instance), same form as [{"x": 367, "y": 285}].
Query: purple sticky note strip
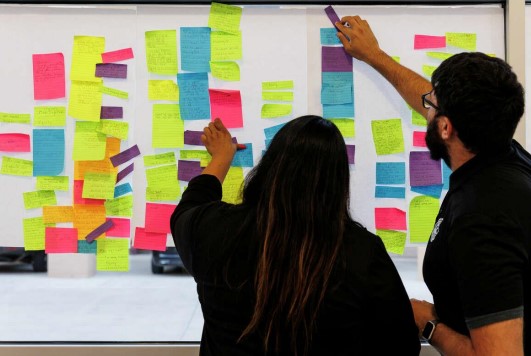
[
  {"x": 124, "y": 172},
  {"x": 125, "y": 156},
  {"x": 331, "y": 13},
  {"x": 111, "y": 112},
  {"x": 423, "y": 170},
  {"x": 111, "y": 70},
  {"x": 335, "y": 59},
  {"x": 98, "y": 231},
  {"x": 193, "y": 138},
  {"x": 188, "y": 170},
  {"x": 351, "y": 150}
]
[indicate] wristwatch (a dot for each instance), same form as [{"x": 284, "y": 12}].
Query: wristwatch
[{"x": 429, "y": 329}]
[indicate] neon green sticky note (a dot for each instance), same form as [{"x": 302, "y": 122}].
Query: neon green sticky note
[
  {"x": 232, "y": 185},
  {"x": 114, "y": 92},
  {"x": 422, "y": 214},
  {"x": 278, "y": 85},
  {"x": 89, "y": 145},
  {"x": 34, "y": 232},
  {"x": 225, "y": 46},
  {"x": 418, "y": 119},
  {"x": 461, "y": 40},
  {"x": 85, "y": 54},
  {"x": 85, "y": 100},
  {"x": 162, "y": 177},
  {"x": 163, "y": 90},
  {"x": 396, "y": 58},
  {"x": 15, "y": 118},
  {"x": 122, "y": 206},
  {"x": 168, "y": 128},
  {"x": 346, "y": 127},
  {"x": 277, "y": 95},
  {"x": 49, "y": 116},
  {"x": 224, "y": 17},
  {"x": 98, "y": 186},
  {"x": 228, "y": 71},
  {"x": 112, "y": 255},
  {"x": 428, "y": 70},
  {"x": 118, "y": 129},
  {"x": 194, "y": 154},
  {"x": 159, "y": 159},
  {"x": 205, "y": 161},
  {"x": 52, "y": 183},
  {"x": 39, "y": 198},
  {"x": 388, "y": 137},
  {"x": 439, "y": 55},
  {"x": 16, "y": 166},
  {"x": 275, "y": 110},
  {"x": 394, "y": 241},
  {"x": 161, "y": 52},
  {"x": 163, "y": 194}
]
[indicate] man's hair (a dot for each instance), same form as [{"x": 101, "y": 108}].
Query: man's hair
[{"x": 482, "y": 98}]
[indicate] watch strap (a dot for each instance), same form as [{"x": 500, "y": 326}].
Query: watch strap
[{"x": 429, "y": 329}]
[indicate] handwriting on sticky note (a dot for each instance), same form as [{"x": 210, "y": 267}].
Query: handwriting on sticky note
[
  {"x": 163, "y": 90},
  {"x": 60, "y": 240},
  {"x": 394, "y": 241},
  {"x": 49, "y": 116},
  {"x": 276, "y": 110},
  {"x": 112, "y": 255},
  {"x": 428, "y": 41},
  {"x": 225, "y": 17},
  {"x": 14, "y": 142},
  {"x": 227, "y": 106},
  {"x": 168, "y": 128},
  {"x": 117, "y": 56},
  {"x": 48, "y": 76},
  {"x": 85, "y": 100},
  {"x": 388, "y": 137},
  {"x": 16, "y": 166},
  {"x": 33, "y": 233},
  {"x": 422, "y": 213},
  {"x": 225, "y": 46},
  {"x": 228, "y": 71},
  {"x": 161, "y": 52},
  {"x": 390, "y": 219}
]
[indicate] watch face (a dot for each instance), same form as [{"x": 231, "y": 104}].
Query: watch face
[{"x": 428, "y": 330}]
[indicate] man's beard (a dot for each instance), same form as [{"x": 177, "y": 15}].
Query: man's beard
[{"x": 435, "y": 143}]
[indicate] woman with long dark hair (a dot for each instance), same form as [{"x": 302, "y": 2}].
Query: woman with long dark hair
[{"x": 287, "y": 271}]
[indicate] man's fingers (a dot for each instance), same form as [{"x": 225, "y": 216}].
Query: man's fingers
[
  {"x": 343, "y": 39},
  {"x": 204, "y": 139}
]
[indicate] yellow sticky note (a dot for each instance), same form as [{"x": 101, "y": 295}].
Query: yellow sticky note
[
  {"x": 162, "y": 177},
  {"x": 159, "y": 159},
  {"x": 112, "y": 255},
  {"x": 225, "y": 17},
  {"x": 228, "y": 71},
  {"x": 163, "y": 90},
  {"x": 87, "y": 218},
  {"x": 418, "y": 119},
  {"x": 388, "y": 137},
  {"x": 422, "y": 214},
  {"x": 15, "y": 118},
  {"x": 85, "y": 54},
  {"x": 114, "y": 92},
  {"x": 278, "y": 85},
  {"x": 161, "y": 52},
  {"x": 428, "y": 70},
  {"x": 396, "y": 58},
  {"x": 275, "y": 110},
  {"x": 16, "y": 166},
  {"x": 101, "y": 166},
  {"x": 194, "y": 154},
  {"x": 205, "y": 161},
  {"x": 57, "y": 214},
  {"x": 225, "y": 46},
  {"x": 439, "y": 55},
  {"x": 122, "y": 206},
  {"x": 98, "y": 186},
  {"x": 39, "y": 198},
  {"x": 89, "y": 145},
  {"x": 277, "y": 95},
  {"x": 346, "y": 127},
  {"x": 34, "y": 232},
  {"x": 168, "y": 128},
  {"x": 85, "y": 100},
  {"x": 52, "y": 183},
  {"x": 394, "y": 241},
  {"x": 461, "y": 40},
  {"x": 163, "y": 194},
  {"x": 232, "y": 185},
  {"x": 118, "y": 129},
  {"x": 49, "y": 116}
]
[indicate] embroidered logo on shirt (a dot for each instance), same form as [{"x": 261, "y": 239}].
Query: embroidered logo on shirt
[{"x": 435, "y": 230}]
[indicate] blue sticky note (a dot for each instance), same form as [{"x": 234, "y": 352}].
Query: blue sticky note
[
  {"x": 195, "y": 49},
  {"x": 446, "y": 171},
  {"x": 338, "y": 111},
  {"x": 390, "y": 173},
  {"x": 329, "y": 37},
  {"x": 270, "y": 132},
  {"x": 390, "y": 192},
  {"x": 84, "y": 247},
  {"x": 430, "y": 190},
  {"x": 243, "y": 158},
  {"x": 337, "y": 88},
  {"x": 194, "y": 100},
  {"x": 122, "y": 189},
  {"x": 268, "y": 142},
  {"x": 48, "y": 152}
]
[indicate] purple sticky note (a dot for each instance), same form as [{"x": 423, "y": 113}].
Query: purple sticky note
[
  {"x": 98, "y": 231},
  {"x": 188, "y": 170},
  {"x": 193, "y": 138},
  {"x": 124, "y": 172},
  {"x": 111, "y": 112},
  {"x": 351, "y": 150},
  {"x": 111, "y": 70},
  {"x": 125, "y": 156},
  {"x": 331, "y": 13},
  {"x": 423, "y": 170},
  {"x": 335, "y": 59}
]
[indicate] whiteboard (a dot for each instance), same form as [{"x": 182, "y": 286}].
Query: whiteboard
[{"x": 279, "y": 43}]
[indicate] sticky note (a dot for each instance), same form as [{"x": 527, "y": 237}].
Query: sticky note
[
  {"x": 85, "y": 100},
  {"x": 227, "y": 71},
  {"x": 48, "y": 152},
  {"x": 125, "y": 155},
  {"x": 99, "y": 231},
  {"x": 111, "y": 70},
  {"x": 270, "y": 132},
  {"x": 428, "y": 41},
  {"x": 225, "y": 46},
  {"x": 351, "y": 152},
  {"x": 339, "y": 110},
  {"x": 158, "y": 217},
  {"x": 112, "y": 255},
  {"x": 78, "y": 192},
  {"x": 125, "y": 172},
  {"x": 144, "y": 240},
  {"x": 34, "y": 232},
  {"x": 384, "y": 191},
  {"x": 60, "y": 240},
  {"x": 335, "y": 59},
  {"x": 114, "y": 92},
  {"x": 84, "y": 247},
  {"x": 161, "y": 52},
  {"x": 14, "y": 142},
  {"x": 329, "y": 37},
  {"x": 332, "y": 15},
  {"x": 16, "y": 166},
  {"x": 419, "y": 139},
  {"x": 276, "y": 110},
  {"x": 12, "y": 118},
  {"x": 195, "y": 49},
  {"x": 39, "y": 198},
  {"x": 163, "y": 90},
  {"x": 345, "y": 126},
  {"x": 121, "y": 206},
  {"x": 423, "y": 170},
  {"x": 278, "y": 85},
  {"x": 417, "y": 119},
  {"x": 428, "y": 70},
  {"x": 232, "y": 185},
  {"x": 337, "y": 88},
  {"x": 159, "y": 159},
  {"x": 52, "y": 183},
  {"x": 422, "y": 213},
  {"x": 194, "y": 154},
  {"x": 439, "y": 55},
  {"x": 243, "y": 158},
  {"x": 117, "y": 56},
  {"x": 57, "y": 214},
  {"x": 434, "y": 191},
  {"x": 188, "y": 170},
  {"x": 49, "y": 116},
  {"x": 120, "y": 227},
  {"x": 89, "y": 145},
  {"x": 122, "y": 189},
  {"x": 154, "y": 194},
  {"x": 162, "y": 176},
  {"x": 227, "y": 106},
  {"x": 388, "y": 137},
  {"x": 224, "y": 17},
  {"x": 446, "y": 172},
  {"x": 394, "y": 241},
  {"x": 277, "y": 95},
  {"x": 466, "y": 41},
  {"x": 111, "y": 112},
  {"x": 98, "y": 186},
  {"x": 390, "y": 219},
  {"x": 86, "y": 53},
  {"x": 390, "y": 173},
  {"x": 48, "y": 76},
  {"x": 87, "y": 218},
  {"x": 168, "y": 128},
  {"x": 193, "y": 137},
  {"x": 194, "y": 97}
]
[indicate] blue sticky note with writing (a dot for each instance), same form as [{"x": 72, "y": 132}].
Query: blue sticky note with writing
[
  {"x": 382, "y": 191},
  {"x": 84, "y": 247},
  {"x": 48, "y": 152},
  {"x": 243, "y": 158},
  {"x": 270, "y": 132},
  {"x": 329, "y": 37},
  {"x": 194, "y": 100},
  {"x": 195, "y": 49},
  {"x": 430, "y": 190},
  {"x": 446, "y": 171},
  {"x": 122, "y": 189},
  {"x": 390, "y": 173},
  {"x": 338, "y": 111},
  {"x": 337, "y": 88}
]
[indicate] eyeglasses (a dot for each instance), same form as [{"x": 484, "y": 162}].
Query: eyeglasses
[{"x": 427, "y": 103}]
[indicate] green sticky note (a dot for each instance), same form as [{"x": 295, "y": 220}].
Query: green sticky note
[
  {"x": 388, "y": 137},
  {"x": 194, "y": 154},
  {"x": 346, "y": 127},
  {"x": 394, "y": 241},
  {"x": 422, "y": 214},
  {"x": 112, "y": 255},
  {"x": 465, "y": 41},
  {"x": 122, "y": 206},
  {"x": 39, "y": 198},
  {"x": 232, "y": 185},
  {"x": 278, "y": 85},
  {"x": 89, "y": 145},
  {"x": 161, "y": 52},
  {"x": 162, "y": 177},
  {"x": 396, "y": 58},
  {"x": 34, "y": 232},
  {"x": 16, "y": 167},
  {"x": 118, "y": 129},
  {"x": 85, "y": 54},
  {"x": 224, "y": 17},
  {"x": 168, "y": 128},
  {"x": 52, "y": 183},
  {"x": 277, "y": 95},
  {"x": 159, "y": 159},
  {"x": 439, "y": 55},
  {"x": 163, "y": 90},
  {"x": 15, "y": 118},
  {"x": 114, "y": 92},
  {"x": 49, "y": 116},
  {"x": 428, "y": 70},
  {"x": 225, "y": 46},
  {"x": 275, "y": 110},
  {"x": 85, "y": 100},
  {"x": 228, "y": 71},
  {"x": 418, "y": 119},
  {"x": 98, "y": 186},
  {"x": 163, "y": 194}
]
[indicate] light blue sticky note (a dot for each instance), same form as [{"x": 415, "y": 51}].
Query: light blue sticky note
[
  {"x": 270, "y": 132},
  {"x": 335, "y": 111},
  {"x": 194, "y": 100},
  {"x": 446, "y": 176},
  {"x": 430, "y": 190},
  {"x": 195, "y": 49},
  {"x": 329, "y": 37},
  {"x": 122, "y": 189},
  {"x": 390, "y": 173},
  {"x": 267, "y": 143},
  {"x": 337, "y": 88},
  {"x": 243, "y": 158},
  {"x": 390, "y": 192},
  {"x": 84, "y": 247},
  {"x": 48, "y": 152}
]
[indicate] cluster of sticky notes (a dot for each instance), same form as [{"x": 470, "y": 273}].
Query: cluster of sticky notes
[
  {"x": 275, "y": 92},
  {"x": 390, "y": 180},
  {"x": 391, "y": 226},
  {"x": 337, "y": 83},
  {"x": 157, "y": 226}
]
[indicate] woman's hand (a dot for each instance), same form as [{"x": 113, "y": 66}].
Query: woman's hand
[{"x": 218, "y": 142}]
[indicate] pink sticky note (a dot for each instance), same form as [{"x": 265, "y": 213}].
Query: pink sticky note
[
  {"x": 158, "y": 217},
  {"x": 48, "y": 76},
  {"x": 226, "y": 105},
  {"x": 116, "y": 56},
  {"x": 149, "y": 240},
  {"x": 78, "y": 195},
  {"x": 15, "y": 142},
  {"x": 60, "y": 240},
  {"x": 389, "y": 219},
  {"x": 121, "y": 228},
  {"x": 419, "y": 139},
  {"x": 426, "y": 41}
]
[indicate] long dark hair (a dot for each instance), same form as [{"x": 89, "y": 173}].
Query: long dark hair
[{"x": 300, "y": 190}]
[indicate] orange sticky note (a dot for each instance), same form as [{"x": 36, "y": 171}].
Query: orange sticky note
[
  {"x": 419, "y": 139},
  {"x": 104, "y": 166},
  {"x": 226, "y": 105},
  {"x": 121, "y": 228},
  {"x": 60, "y": 240},
  {"x": 116, "y": 56},
  {"x": 158, "y": 217},
  {"x": 57, "y": 214},
  {"x": 390, "y": 219},
  {"x": 48, "y": 76},
  {"x": 87, "y": 218},
  {"x": 15, "y": 142},
  {"x": 149, "y": 240}
]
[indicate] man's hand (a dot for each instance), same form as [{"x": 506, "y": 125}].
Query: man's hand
[
  {"x": 358, "y": 39},
  {"x": 423, "y": 312}
]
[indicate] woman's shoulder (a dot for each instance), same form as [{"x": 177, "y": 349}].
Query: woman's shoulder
[{"x": 361, "y": 247}]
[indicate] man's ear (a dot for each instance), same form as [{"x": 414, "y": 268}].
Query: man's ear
[{"x": 446, "y": 129}]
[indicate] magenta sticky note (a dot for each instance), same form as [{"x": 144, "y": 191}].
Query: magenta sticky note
[
  {"x": 48, "y": 76},
  {"x": 427, "y": 41},
  {"x": 227, "y": 106},
  {"x": 390, "y": 219},
  {"x": 158, "y": 217},
  {"x": 144, "y": 240},
  {"x": 15, "y": 142},
  {"x": 60, "y": 240},
  {"x": 121, "y": 228},
  {"x": 118, "y": 55},
  {"x": 419, "y": 139}
]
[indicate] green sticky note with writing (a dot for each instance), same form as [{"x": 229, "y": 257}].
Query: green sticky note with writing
[
  {"x": 89, "y": 145},
  {"x": 162, "y": 177},
  {"x": 232, "y": 185},
  {"x": 163, "y": 90},
  {"x": 161, "y": 52},
  {"x": 34, "y": 232},
  {"x": 16, "y": 166},
  {"x": 114, "y": 92},
  {"x": 52, "y": 183},
  {"x": 168, "y": 128},
  {"x": 39, "y": 198},
  {"x": 224, "y": 17},
  {"x": 345, "y": 126},
  {"x": 276, "y": 110},
  {"x": 163, "y": 193},
  {"x": 118, "y": 129},
  {"x": 194, "y": 154},
  {"x": 439, "y": 55},
  {"x": 98, "y": 186},
  {"x": 159, "y": 159},
  {"x": 388, "y": 137},
  {"x": 278, "y": 85},
  {"x": 422, "y": 214},
  {"x": 394, "y": 241},
  {"x": 225, "y": 46},
  {"x": 49, "y": 116},
  {"x": 122, "y": 206},
  {"x": 112, "y": 255},
  {"x": 15, "y": 118},
  {"x": 277, "y": 95},
  {"x": 462, "y": 40},
  {"x": 228, "y": 71}
]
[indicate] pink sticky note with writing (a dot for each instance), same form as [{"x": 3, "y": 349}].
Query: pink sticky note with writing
[
  {"x": 15, "y": 142},
  {"x": 426, "y": 41},
  {"x": 158, "y": 217},
  {"x": 78, "y": 195},
  {"x": 121, "y": 228},
  {"x": 116, "y": 56},
  {"x": 149, "y": 240},
  {"x": 226, "y": 105},
  {"x": 389, "y": 219},
  {"x": 419, "y": 139},
  {"x": 48, "y": 76},
  {"x": 60, "y": 240}
]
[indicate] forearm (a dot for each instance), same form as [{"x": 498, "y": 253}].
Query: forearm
[
  {"x": 449, "y": 342},
  {"x": 218, "y": 167}
]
